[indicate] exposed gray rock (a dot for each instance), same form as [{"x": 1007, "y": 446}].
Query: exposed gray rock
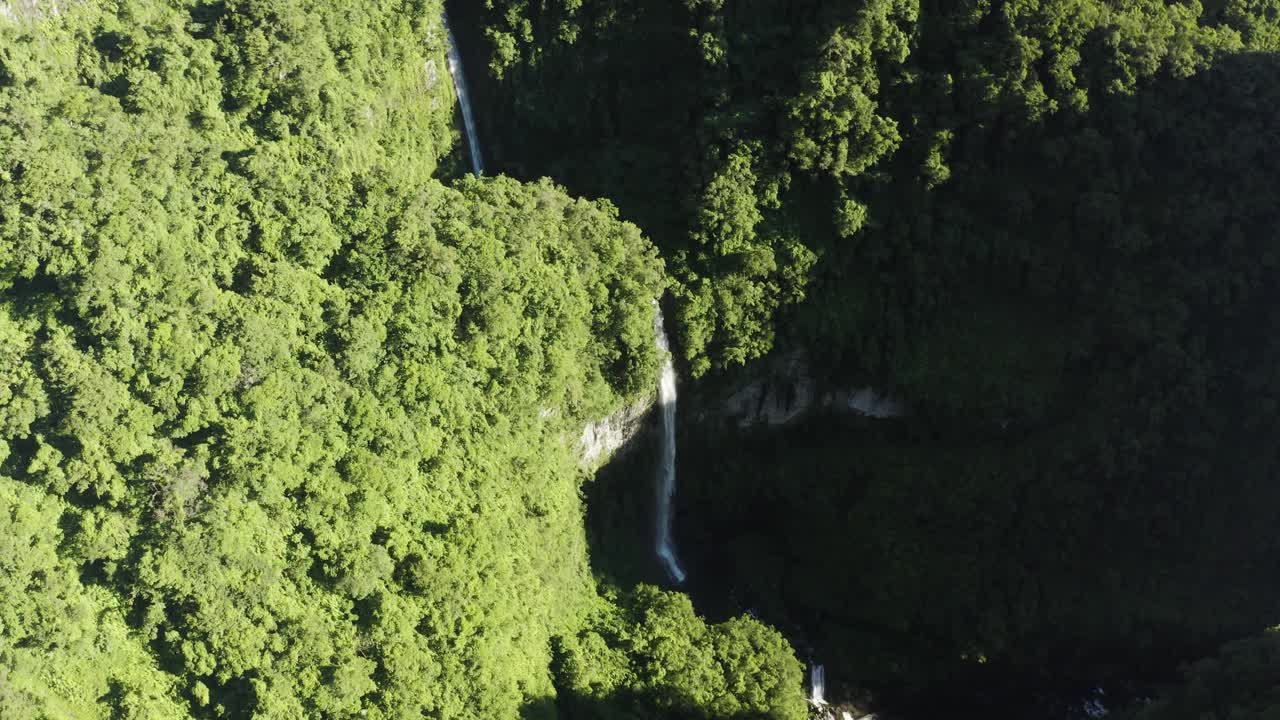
[
  {"x": 430, "y": 74},
  {"x": 781, "y": 391},
  {"x": 16, "y": 10},
  {"x": 602, "y": 439},
  {"x": 866, "y": 401},
  {"x": 781, "y": 397},
  {"x": 784, "y": 390}
]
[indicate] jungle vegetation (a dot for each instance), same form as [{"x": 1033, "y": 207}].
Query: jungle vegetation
[
  {"x": 289, "y": 405},
  {"x": 289, "y": 423}
]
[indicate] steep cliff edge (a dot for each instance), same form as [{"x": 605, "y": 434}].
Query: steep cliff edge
[
  {"x": 784, "y": 389},
  {"x": 605, "y": 438}
]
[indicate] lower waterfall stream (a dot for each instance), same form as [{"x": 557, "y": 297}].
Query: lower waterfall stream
[{"x": 664, "y": 545}]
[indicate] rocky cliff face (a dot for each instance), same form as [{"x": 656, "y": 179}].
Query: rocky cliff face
[
  {"x": 785, "y": 389},
  {"x": 606, "y": 437},
  {"x": 15, "y": 10},
  {"x": 775, "y": 393}
]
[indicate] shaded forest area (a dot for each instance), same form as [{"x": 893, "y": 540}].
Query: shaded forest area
[{"x": 1048, "y": 225}]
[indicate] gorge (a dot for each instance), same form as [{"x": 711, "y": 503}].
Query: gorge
[
  {"x": 825, "y": 477},
  {"x": 664, "y": 360},
  {"x": 905, "y": 196}
]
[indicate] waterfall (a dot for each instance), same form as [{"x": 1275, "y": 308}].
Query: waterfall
[
  {"x": 464, "y": 101},
  {"x": 817, "y": 685},
  {"x": 663, "y": 543}
]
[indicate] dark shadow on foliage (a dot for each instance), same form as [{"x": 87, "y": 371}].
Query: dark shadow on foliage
[
  {"x": 1120, "y": 525},
  {"x": 205, "y": 17},
  {"x": 111, "y": 45},
  {"x": 620, "y": 502},
  {"x": 116, "y": 698},
  {"x": 628, "y": 705}
]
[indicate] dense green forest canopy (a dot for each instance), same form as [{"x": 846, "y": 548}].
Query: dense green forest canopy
[
  {"x": 287, "y": 423},
  {"x": 289, "y": 407}
]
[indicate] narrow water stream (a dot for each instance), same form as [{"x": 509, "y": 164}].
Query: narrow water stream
[
  {"x": 464, "y": 101},
  {"x": 664, "y": 544}
]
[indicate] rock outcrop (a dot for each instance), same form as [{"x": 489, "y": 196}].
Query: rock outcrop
[
  {"x": 784, "y": 390},
  {"x": 15, "y": 10},
  {"x": 604, "y": 438}
]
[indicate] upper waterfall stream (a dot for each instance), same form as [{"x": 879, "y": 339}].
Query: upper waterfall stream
[{"x": 464, "y": 101}]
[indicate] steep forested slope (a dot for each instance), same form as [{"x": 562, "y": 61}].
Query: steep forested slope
[
  {"x": 287, "y": 424},
  {"x": 778, "y": 150}
]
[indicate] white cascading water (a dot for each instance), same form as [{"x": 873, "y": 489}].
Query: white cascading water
[
  {"x": 664, "y": 545},
  {"x": 464, "y": 101},
  {"x": 817, "y": 685}
]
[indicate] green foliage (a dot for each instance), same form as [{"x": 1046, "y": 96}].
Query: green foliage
[
  {"x": 65, "y": 649},
  {"x": 836, "y": 128},
  {"x": 1257, "y": 21},
  {"x": 653, "y": 657},
  {"x": 846, "y": 116},
  {"x": 694, "y": 117},
  {"x": 287, "y": 426},
  {"x": 757, "y": 269}
]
